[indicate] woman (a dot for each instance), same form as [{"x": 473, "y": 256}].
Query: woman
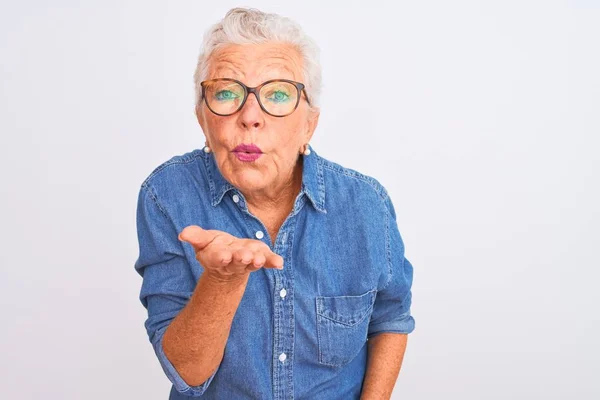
[{"x": 269, "y": 272}]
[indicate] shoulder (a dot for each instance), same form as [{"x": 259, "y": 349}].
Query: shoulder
[
  {"x": 177, "y": 167},
  {"x": 343, "y": 181}
]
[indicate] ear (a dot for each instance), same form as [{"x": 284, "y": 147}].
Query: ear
[{"x": 313, "y": 121}]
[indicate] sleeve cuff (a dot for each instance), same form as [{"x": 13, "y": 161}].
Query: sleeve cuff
[
  {"x": 180, "y": 385},
  {"x": 405, "y": 324}
]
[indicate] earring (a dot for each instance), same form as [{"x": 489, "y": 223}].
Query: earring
[
  {"x": 206, "y": 149},
  {"x": 306, "y": 150}
]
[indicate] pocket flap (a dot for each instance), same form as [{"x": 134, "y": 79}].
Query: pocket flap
[{"x": 347, "y": 310}]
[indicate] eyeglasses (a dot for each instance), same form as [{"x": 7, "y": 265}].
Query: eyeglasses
[{"x": 276, "y": 97}]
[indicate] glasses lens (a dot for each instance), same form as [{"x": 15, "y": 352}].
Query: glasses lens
[
  {"x": 279, "y": 98},
  {"x": 223, "y": 97}
]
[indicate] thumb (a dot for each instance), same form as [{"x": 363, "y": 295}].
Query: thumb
[{"x": 196, "y": 236}]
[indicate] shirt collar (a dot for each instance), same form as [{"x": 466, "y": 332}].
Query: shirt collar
[{"x": 313, "y": 184}]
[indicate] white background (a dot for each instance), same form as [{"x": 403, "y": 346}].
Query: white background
[{"x": 481, "y": 119}]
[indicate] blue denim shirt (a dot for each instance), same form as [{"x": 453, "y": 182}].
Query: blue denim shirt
[{"x": 300, "y": 332}]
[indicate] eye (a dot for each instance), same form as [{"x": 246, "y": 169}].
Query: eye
[
  {"x": 224, "y": 95},
  {"x": 278, "y": 96}
]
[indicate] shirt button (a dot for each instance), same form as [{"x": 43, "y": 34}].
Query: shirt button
[
  {"x": 259, "y": 235},
  {"x": 282, "y": 293},
  {"x": 282, "y": 357},
  {"x": 235, "y": 198}
]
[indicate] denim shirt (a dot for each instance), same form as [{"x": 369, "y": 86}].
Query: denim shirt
[{"x": 300, "y": 332}]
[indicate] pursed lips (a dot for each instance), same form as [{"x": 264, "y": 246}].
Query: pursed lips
[
  {"x": 247, "y": 148},
  {"x": 247, "y": 152}
]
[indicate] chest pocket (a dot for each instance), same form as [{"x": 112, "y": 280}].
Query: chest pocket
[{"x": 342, "y": 326}]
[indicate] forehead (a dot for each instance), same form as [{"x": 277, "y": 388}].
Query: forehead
[{"x": 256, "y": 63}]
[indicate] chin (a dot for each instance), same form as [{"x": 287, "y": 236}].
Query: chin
[{"x": 250, "y": 179}]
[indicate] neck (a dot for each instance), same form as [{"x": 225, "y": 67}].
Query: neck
[{"x": 280, "y": 196}]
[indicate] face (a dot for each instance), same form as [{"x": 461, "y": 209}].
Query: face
[{"x": 280, "y": 139}]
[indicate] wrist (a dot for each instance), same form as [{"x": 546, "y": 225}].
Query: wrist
[{"x": 225, "y": 281}]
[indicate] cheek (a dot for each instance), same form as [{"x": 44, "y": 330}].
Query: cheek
[
  {"x": 218, "y": 131},
  {"x": 290, "y": 134}
]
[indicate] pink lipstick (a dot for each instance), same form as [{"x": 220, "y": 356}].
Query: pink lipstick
[{"x": 247, "y": 152}]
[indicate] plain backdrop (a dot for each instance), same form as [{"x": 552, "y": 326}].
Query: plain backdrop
[{"x": 481, "y": 118}]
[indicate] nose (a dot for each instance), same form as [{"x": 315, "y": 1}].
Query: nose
[{"x": 251, "y": 115}]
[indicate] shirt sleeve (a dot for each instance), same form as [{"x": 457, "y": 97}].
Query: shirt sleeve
[
  {"x": 167, "y": 283},
  {"x": 391, "y": 310}
]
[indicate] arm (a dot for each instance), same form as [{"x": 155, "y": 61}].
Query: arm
[
  {"x": 189, "y": 320},
  {"x": 386, "y": 352},
  {"x": 391, "y": 320},
  {"x": 174, "y": 299},
  {"x": 195, "y": 340}
]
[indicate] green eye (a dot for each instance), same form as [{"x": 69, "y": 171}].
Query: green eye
[
  {"x": 278, "y": 97},
  {"x": 225, "y": 95}
]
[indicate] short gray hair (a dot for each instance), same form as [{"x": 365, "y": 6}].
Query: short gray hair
[{"x": 252, "y": 26}]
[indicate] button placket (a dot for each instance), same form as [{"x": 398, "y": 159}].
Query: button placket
[{"x": 284, "y": 314}]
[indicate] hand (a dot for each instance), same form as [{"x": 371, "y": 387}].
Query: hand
[{"x": 227, "y": 257}]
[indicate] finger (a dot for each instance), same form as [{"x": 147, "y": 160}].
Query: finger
[
  {"x": 238, "y": 269},
  {"x": 259, "y": 259},
  {"x": 257, "y": 262},
  {"x": 243, "y": 256},
  {"x": 274, "y": 261},
  {"x": 217, "y": 259},
  {"x": 196, "y": 236},
  {"x": 252, "y": 268}
]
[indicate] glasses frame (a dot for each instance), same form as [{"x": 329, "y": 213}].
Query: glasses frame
[{"x": 300, "y": 87}]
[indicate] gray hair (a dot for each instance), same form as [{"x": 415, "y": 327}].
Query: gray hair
[{"x": 252, "y": 26}]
